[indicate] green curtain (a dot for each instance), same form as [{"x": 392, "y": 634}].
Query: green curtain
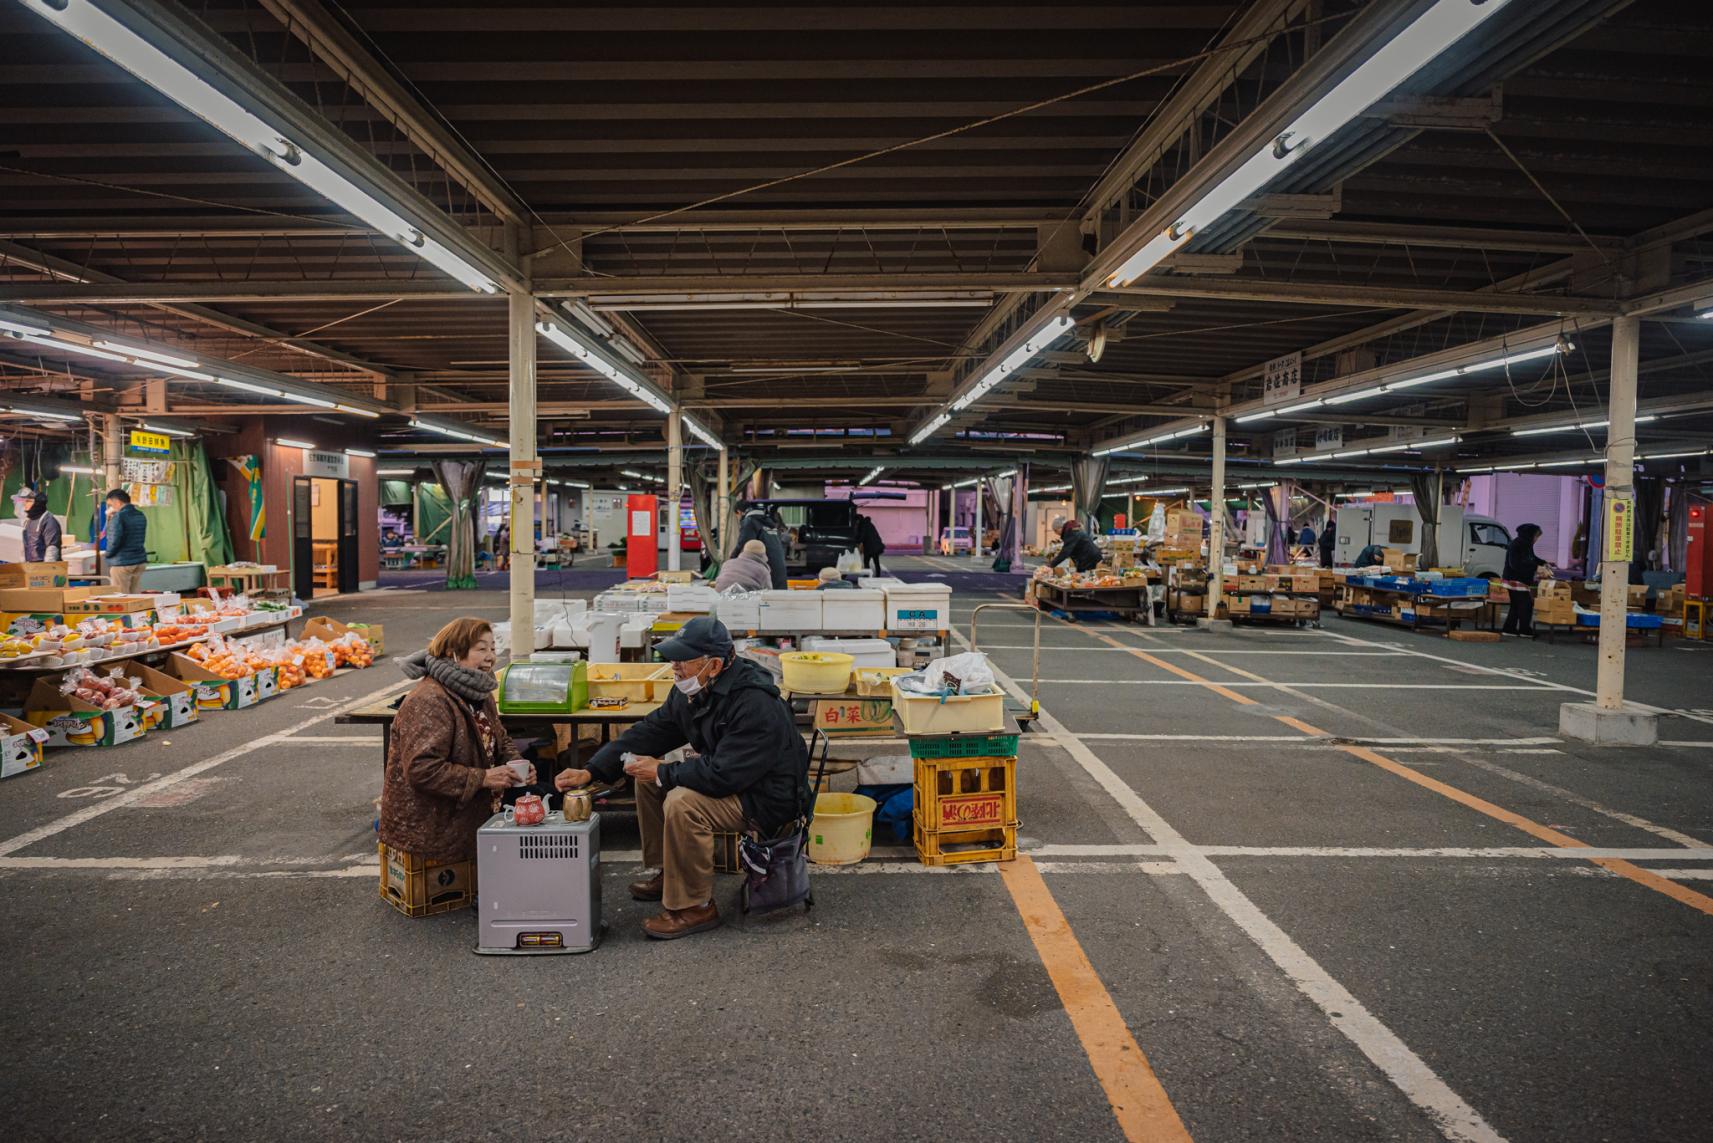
[
  {"x": 395, "y": 493},
  {"x": 436, "y": 514},
  {"x": 208, "y": 540}
]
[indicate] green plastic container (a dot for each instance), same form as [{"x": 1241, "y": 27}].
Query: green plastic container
[{"x": 966, "y": 746}]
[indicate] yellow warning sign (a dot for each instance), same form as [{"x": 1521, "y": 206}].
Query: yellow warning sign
[{"x": 1620, "y": 530}]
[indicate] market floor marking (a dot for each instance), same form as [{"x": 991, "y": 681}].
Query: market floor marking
[
  {"x": 1406, "y": 1071},
  {"x": 129, "y": 797},
  {"x": 1625, "y": 869},
  {"x": 1139, "y": 1102}
]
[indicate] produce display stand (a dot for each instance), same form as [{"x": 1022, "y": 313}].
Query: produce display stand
[
  {"x": 246, "y": 580},
  {"x": 1408, "y": 602},
  {"x": 30, "y": 665},
  {"x": 1130, "y": 600}
]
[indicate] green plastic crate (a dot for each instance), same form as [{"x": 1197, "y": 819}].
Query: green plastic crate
[{"x": 966, "y": 746}]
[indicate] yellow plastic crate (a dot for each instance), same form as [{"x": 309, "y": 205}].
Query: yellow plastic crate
[
  {"x": 965, "y": 846},
  {"x": 419, "y": 888},
  {"x": 959, "y": 794},
  {"x": 638, "y": 682}
]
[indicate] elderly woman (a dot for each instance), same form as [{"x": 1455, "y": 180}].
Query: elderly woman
[
  {"x": 748, "y": 569},
  {"x": 448, "y": 763}
]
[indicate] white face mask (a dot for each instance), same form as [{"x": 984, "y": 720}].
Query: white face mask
[{"x": 688, "y": 687}]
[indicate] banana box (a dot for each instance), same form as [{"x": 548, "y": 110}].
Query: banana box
[
  {"x": 175, "y": 701},
  {"x": 71, "y": 723},
  {"x": 215, "y": 693},
  {"x": 20, "y": 746}
]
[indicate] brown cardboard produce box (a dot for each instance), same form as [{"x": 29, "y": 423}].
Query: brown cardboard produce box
[
  {"x": 1556, "y": 610},
  {"x": 327, "y": 630},
  {"x": 175, "y": 704},
  {"x": 34, "y": 575},
  {"x": 70, "y": 721},
  {"x": 1399, "y": 560},
  {"x": 109, "y": 604},
  {"x": 20, "y": 746},
  {"x": 1636, "y": 596}
]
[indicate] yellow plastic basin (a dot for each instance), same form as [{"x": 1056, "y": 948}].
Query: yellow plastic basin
[
  {"x": 817, "y": 672},
  {"x": 842, "y": 829}
]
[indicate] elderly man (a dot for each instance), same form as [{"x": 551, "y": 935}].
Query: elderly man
[
  {"x": 1077, "y": 546},
  {"x": 749, "y": 771}
]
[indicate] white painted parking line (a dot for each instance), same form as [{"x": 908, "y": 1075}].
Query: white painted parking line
[
  {"x": 129, "y": 797},
  {"x": 1407, "y": 1071},
  {"x": 1685, "y": 742},
  {"x": 1079, "y": 648},
  {"x": 1525, "y": 852},
  {"x": 1302, "y": 686}
]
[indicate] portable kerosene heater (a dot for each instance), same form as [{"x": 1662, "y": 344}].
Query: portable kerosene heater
[{"x": 538, "y": 887}]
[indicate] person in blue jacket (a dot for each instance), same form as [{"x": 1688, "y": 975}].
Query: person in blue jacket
[{"x": 127, "y": 535}]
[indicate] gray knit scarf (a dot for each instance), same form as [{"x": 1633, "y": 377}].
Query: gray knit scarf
[{"x": 473, "y": 687}]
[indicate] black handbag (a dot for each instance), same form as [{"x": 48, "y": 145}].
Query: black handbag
[{"x": 776, "y": 872}]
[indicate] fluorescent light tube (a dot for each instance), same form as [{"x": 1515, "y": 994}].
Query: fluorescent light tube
[
  {"x": 79, "y": 469},
  {"x": 151, "y": 355},
  {"x": 872, "y": 473},
  {"x": 930, "y": 428},
  {"x": 395, "y": 472},
  {"x": 1034, "y": 343},
  {"x": 250, "y": 387},
  {"x": 359, "y": 452},
  {"x": 162, "y": 367},
  {"x": 1300, "y": 406},
  {"x": 74, "y": 347},
  {"x": 356, "y": 412},
  {"x": 1394, "y": 62},
  {"x": 292, "y": 444},
  {"x": 22, "y": 330},
  {"x": 700, "y": 433},
  {"x": 1260, "y": 416},
  {"x": 303, "y": 400},
  {"x": 155, "y": 68},
  {"x": 1359, "y": 395},
  {"x": 165, "y": 431}
]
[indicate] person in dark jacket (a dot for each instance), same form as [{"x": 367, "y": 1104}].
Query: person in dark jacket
[
  {"x": 1328, "y": 541},
  {"x": 1372, "y": 556},
  {"x": 757, "y": 525},
  {"x": 127, "y": 534},
  {"x": 1077, "y": 546},
  {"x": 749, "y": 771},
  {"x": 42, "y": 537},
  {"x": 1306, "y": 539},
  {"x": 1521, "y": 567},
  {"x": 873, "y": 547}
]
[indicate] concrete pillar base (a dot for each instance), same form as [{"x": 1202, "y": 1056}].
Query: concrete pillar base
[
  {"x": 1630, "y": 726},
  {"x": 1207, "y": 624}
]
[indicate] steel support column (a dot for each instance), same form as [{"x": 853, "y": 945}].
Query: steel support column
[
  {"x": 524, "y": 470},
  {"x": 975, "y": 532},
  {"x": 1621, "y": 488},
  {"x": 1216, "y": 525},
  {"x": 674, "y": 479}
]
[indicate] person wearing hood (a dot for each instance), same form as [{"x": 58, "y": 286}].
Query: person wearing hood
[
  {"x": 1521, "y": 568},
  {"x": 42, "y": 536},
  {"x": 1328, "y": 541},
  {"x": 749, "y": 771},
  {"x": 1077, "y": 546},
  {"x": 756, "y": 525},
  {"x": 449, "y": 762},
  {"x": 869, "y": 541}
]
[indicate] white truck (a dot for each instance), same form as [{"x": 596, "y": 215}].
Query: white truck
[{"x": 1475, "y": 543}]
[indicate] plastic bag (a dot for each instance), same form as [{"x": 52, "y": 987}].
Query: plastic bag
[
  {"x": 850, "y": 562},
  {"x": 967, "y": 674},
  {"x": 1157, "y": 522}
]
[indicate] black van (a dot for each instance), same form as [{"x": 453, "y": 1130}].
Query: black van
[{"x": 819, "y": 531}]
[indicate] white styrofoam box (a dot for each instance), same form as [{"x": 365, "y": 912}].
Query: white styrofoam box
[
  {"x": 866, "y": 652},
  {"x": 739, "y": 612},
  {"x": 550, "y": 611},
  {"x": 855, "y": 609},
  {"x": 636, "y": 631},
  {"x": 880, "y": 583},
  {"x": 690, "y": 597},
  {"x": 786, "y": 612},
  {"x": 919, "y": 607},
  {"x": 651, "y": 602},
  {"x": 616, "y": 601},
  {"x": 894, "y": 770}
]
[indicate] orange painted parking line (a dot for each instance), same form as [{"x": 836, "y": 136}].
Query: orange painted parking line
[
  {"x": 1239, "y": 699},
  {"x": 1140, "y": 1104},
  {"x": 1553, "y": 837}
]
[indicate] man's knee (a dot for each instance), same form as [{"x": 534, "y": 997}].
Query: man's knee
[{"x": 682, "y": 807}]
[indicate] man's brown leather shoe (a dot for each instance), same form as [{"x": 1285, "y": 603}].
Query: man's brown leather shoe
[
  {"x": 650, "y": 889},
  {"x": 674, "y": 923}
]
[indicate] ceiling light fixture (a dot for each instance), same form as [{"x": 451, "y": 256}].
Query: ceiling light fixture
[
  {"x": 287, "y": 442},
  {"x": 1577, "y": 425},
  {"x": 78, "y": 469},
  {"x": 150, "y": 356},
  {"x": 930, "y": 428},
  {"x": 154, "y": 67},
  {"x": 1157, "y": 438},
  {"x": 359, "y": 452},
  {"x": 395, "y": 472},
  {"x": 460, "y": 434},
  {"x": 597, "y": 360},
  {"x": 872, "y": 473},
  {"x": 700, "y": 433},
  {"x": 1397, "y": 60},
  {"x": 1035, "y": 342},
  {"x": 166, "y": 430}
]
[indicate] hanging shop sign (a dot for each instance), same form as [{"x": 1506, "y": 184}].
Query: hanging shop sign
[
  {"x": 1285, "y": 442},
  {"x": 150, "y": 495},
  {"x": 335, "y": 464},
  {"x": 1400, "y": 433},
  {"x": 1328, "y": 436},
  {"x": 142, "y": 441},
  {"x": 1282, "y": 379},
  {"x": 249, "y": 467},
  {"x": 1620, "y": 529}
]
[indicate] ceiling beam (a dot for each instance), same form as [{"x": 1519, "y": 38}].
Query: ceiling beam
[
  {"x": 183, "y": 293},
  {"x": 333, "y": 43},
  {"x": 718, "y": 287},
  {"x": 1339, "y": 294},
  {"x": 1438, "y": 237}
]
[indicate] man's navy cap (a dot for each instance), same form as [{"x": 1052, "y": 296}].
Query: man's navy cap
[{"x": 699, "y": 638}]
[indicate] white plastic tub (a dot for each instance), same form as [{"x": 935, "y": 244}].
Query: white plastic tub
[
  {"x": 955, "y": 714},
  {"x": 918, "y": 607},
  {"x": 864, "y": 652},
  {"x": 854, "y": 609},
  {"x": 789, "y": 612}
]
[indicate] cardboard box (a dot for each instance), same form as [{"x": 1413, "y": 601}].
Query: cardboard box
[
  {"x": 1399, "y": 560},
  {"x": 327, "y": 630},
  {"x": 1250, "y": 583},
  {"x": 215, "y": 693},
  {"x": 28, "y": 622},
  {"x": 845, "y": 718},
  {"x": 110, "y": 605},
  {"x": 34, "y": 575},
  {"x": 176, "y": 705},
  {"x": 20, "y": 746},
  {"x": 33, "y": 600},
  {"x": 1192, "y": 603},
  {"x": 70, "y": 723},
  {"x": 1308, "y": 583},
  {"x": 1636, "y": 596}
]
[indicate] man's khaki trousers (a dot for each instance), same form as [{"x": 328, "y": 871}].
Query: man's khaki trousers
[
  {"x": 678, "y": 828},
  {"x": 126, "y": 577}
]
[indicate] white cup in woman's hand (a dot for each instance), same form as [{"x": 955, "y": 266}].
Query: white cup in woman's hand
[{"x": 522, "y": 768}]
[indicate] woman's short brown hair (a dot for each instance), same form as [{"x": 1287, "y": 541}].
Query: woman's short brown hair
[{"x": 454, "y": 640}]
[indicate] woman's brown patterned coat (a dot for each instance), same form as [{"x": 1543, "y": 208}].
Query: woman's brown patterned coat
[{"x": 432, "y": 799}]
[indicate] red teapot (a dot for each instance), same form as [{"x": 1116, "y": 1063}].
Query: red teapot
[{"x": 528, "y": 810}]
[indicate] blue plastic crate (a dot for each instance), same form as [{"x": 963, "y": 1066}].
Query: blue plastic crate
[
  {"x": 1634, "y": 620},
  {"x": 1462, "y": 586}
]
